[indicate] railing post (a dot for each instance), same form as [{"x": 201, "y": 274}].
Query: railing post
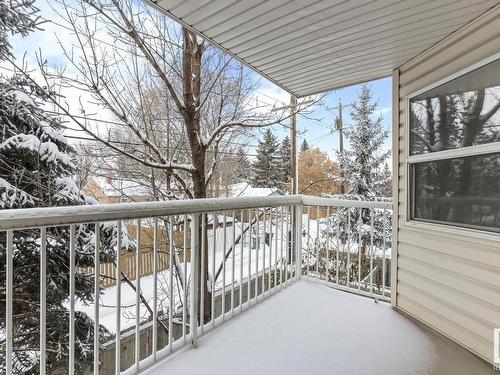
[
  {"x": 298, "y": 240},
  {"x": 193, "y": 306}
]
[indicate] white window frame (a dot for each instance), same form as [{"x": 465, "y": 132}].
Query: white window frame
[{"x": 483, "y": 149}]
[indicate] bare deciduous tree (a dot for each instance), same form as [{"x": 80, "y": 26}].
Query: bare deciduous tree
[{"x": 178, "y": 100}]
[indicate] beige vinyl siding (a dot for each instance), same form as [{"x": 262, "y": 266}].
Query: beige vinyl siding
[{"x": 448, "y": 279}]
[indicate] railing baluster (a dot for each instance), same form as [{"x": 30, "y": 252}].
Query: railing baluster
[
  {"x": 155, "y": 287},
  {"x": 348, "y": 281},
  {"x": 97, "y": 292},
  {"x": 233, "y": 249},
  {"x": 276, "y": 226},
  {"x": 184, "y": 282},
  {"x": 118, "y": 296},
  {"x": 138, "y": 296},
  {"x": 308, "y": 238},
  {"x": 249, "y": 276},
  {"x": 384, "y": 223},
  {"x": 360, "y": 223},
  {"x": 242, "y": 240},
  {"x": 327, "y": 245},
  {"x": 371, "y": 251},
  {"x": 71, "y": 358},
  {"x": 43, "y": 300},
  {"x": 202, "y": 270},
  {"x": 316, "y": 242},
  {"x": 270, "y": 266},
  {"x": 288, "y": 242},
  {"x": 257, "y": 256},
  {"x": 263, "y": 281},
  {"x": 9, "y": 285},
  {"x": 337, "y": 263},
  {"x": 214, "y": 250},
  {"x": 282, "y": 265},
  {"x": 171, "y": 281},
  {"x": 224, "y": 244}
]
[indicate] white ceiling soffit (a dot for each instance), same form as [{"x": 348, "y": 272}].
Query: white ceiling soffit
[{"x": 311, "y": 46}]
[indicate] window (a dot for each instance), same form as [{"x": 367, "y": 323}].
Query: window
[{"x": 454, "y": 151}]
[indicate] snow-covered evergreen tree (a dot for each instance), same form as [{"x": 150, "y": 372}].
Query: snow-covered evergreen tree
[
  {"x": 285, "y": 160},
  {"x": 364, "y": 162},
  {"x": 365, "y": 174},
  {"x": 242, "y": 165},
  {"x": 36, "y": 170},
  {"x": 266, "y": 168},
  {"x": 16, "y": 17}
]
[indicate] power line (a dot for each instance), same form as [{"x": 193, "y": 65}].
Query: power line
[{"x": 140, "y": 144}]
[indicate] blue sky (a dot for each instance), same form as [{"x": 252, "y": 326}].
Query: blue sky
[{"x": 316, "y": 128}]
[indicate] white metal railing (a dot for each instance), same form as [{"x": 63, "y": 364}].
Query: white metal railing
[
  {"x": 225, "y": 255},
  {"x": 348, "y": 244}
]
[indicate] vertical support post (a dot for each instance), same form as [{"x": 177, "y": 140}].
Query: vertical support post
[
  {"x": 9, "y": 284},
  {"x": 298, "y": 241},
  {"x": 395, "y": 184},
  {"x": 193, "y": 306}
]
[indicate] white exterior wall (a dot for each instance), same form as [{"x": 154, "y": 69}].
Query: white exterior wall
[{"x": 447, "y": 278}]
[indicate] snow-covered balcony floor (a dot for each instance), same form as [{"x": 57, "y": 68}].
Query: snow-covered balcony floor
[{"x": 310, "y": 328}]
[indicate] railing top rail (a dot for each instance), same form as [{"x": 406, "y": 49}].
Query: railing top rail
[
  {"x": 333, "y": 202},
  {"x": 56, "y": 216}
]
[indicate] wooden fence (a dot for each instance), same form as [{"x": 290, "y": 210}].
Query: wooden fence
[{"x": 128, "y": 266}]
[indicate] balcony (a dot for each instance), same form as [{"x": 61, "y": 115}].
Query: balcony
[
  {"x": 311, "y": 328},
  {"x": 280, "y": 266}
]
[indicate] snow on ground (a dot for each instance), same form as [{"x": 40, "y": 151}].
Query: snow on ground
[
  {"x": 309, "y": 328},
  {"x": 107, "y": 300},
  {"x": 107, "y": 309}
]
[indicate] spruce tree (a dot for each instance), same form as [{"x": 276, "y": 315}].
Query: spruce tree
[
  {"x": 36, "y": 170},
  {"x": 285, "y": 160},
  {"x": 365, "y": 175},
  {"x": 242, "y": 165},
  {"x": 304, "y": 146},
  {"x": 266, "y": 168},
  {"x": 364, "y": 162}
]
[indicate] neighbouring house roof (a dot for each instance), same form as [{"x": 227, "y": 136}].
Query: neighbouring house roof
[
  {"x": 120, "y": 187},
  {"x": 243, "y": 189},
  {"x": 308, "y": 47}
]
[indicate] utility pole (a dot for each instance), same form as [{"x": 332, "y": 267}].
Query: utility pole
[
  {"x": 339, "y": 126},
  {"x": 294, "y": 165}
]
